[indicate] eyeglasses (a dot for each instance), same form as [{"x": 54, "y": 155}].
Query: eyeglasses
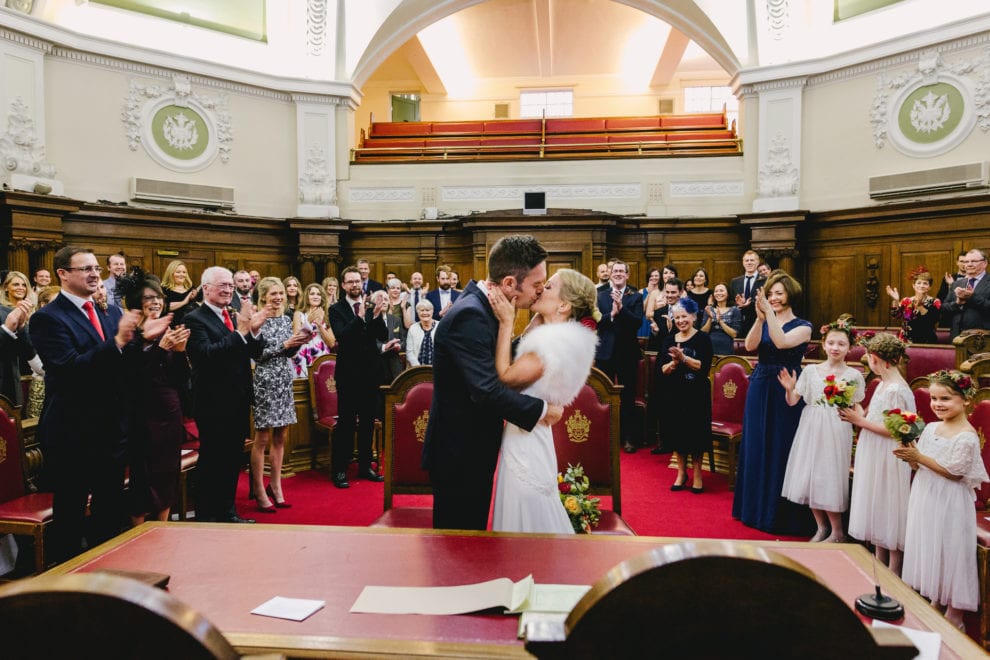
[
  {"x": 149, "y": 298},
  {"x": 87, "y": 269},
  {"x": 225, "y": 286}
]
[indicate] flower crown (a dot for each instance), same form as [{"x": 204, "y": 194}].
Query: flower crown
[
  {"x": 841, "y": 325},
  {"x": 957, "y": 380}
]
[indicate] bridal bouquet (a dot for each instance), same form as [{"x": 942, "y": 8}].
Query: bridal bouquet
[
  {"x": 837, "y": 393},
  {"x": 583, "y": 510},
  {"x": 904, "y": 425}
]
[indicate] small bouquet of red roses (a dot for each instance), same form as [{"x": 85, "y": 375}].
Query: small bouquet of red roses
[
  {"x": 837, "y": 393},
  {"x": 581, "y": 509},
  {"x": 904, "y": 425}
]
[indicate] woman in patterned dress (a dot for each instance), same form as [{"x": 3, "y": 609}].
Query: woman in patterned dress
[
  {"x": 312, "y": 313},
  {"x": 273, "y": 406}
]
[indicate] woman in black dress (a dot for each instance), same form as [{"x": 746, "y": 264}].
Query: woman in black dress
[
  {"x": 155, "y": 373},
  {"x": 181, "y": 296},
  {"x": 919, "y": 314},
  {"x": 685, "y": 358}
]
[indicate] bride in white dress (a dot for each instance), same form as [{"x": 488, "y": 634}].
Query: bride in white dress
[{"x": 553, "y": 360}]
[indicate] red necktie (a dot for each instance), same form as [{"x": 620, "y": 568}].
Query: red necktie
[
  {"x": 357, "y": 309},
  {"x": 91, "y": 313},
  {"x": 226, "y": 320}
]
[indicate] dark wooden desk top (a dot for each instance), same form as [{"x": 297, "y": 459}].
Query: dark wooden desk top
[{"x": 225, "y": 571}]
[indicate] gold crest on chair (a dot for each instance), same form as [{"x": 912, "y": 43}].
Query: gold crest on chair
[
  {"x": 331, "y": 384},
  {"x": 578, "y": 427},
  {"x": 729, "y": 389},
  {"x": 419, "y": 426},
  {"x": 3, "y": 450}
]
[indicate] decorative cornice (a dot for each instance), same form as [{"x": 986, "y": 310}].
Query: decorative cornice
[
  {"x": 706, "y": 188},
  {"x": 775, "y": 85},
  {"x": 25, "y": 40},
  {"x": 319, "y": 99},
  {"x": 557, "y": 192}
]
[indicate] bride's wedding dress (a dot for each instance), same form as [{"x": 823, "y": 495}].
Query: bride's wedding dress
[{"x": 526, "y": 495}]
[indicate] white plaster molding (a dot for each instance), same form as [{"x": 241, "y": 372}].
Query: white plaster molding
[
  {"x": 554, "y": 192},
  {"x": 316, "y": 26},
  {"x": 777, "y": 85},
  {"x": 778, "y": 18},
  {"x": 144, "y": 100},
  {"x": 778, "y": 175},
  {"x": 316, "y": 186},
  {"x": 929, "y": 69},
  {"x": 21, "y": 148},
  {"x": 397, "y": 194},
  {"x": 429, "y": 196},
  {"x": 706, "y": 188},
  {"x": 319, "y": 99},
  {"x": 25, "y": 40},
  {"x": 654, "y": 194}
]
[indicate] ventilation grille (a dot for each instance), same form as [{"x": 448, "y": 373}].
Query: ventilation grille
[
  {"x": 955, "y": 178},
  {"x": 501, "y": 111},
  {"x": 184, "y": 194},
  {"x": 666, "y": 106}
]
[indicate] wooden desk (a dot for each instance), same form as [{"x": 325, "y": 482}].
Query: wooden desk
[{"x": 224, "y": 571}]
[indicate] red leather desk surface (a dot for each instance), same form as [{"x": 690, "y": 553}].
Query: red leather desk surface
[{"x": 225, "y": 571}]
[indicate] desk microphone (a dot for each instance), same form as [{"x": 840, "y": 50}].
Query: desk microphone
[{"x": 878, "y": 606}]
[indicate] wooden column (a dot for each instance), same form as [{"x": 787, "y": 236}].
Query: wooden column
[
  {"x": 307, "y": 269},
  {"x": 18, "y": 256}
]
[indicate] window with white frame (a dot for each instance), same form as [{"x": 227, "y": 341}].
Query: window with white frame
[
  {"x": 546, "y": 102},
  {"x": 711, "y": 99}
]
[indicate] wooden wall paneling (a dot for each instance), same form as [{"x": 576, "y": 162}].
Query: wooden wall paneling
[{"x": 831, "y": 289}]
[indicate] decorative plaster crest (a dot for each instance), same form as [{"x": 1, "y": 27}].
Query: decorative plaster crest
[
  {"x": 778, "y": 175},
  {"x": 382, "y": 194},
  {"x": 21, "y": 148},
  {"x": 315, "y": 185},
  {"x": 316, "y": 26},
  {"x": 143, "y": 100},
  {"x": 778, "y": 18},
  {"x": 970, "y": 76}
]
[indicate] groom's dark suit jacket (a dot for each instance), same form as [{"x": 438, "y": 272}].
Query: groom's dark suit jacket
[{"x": 469, "y": 401}]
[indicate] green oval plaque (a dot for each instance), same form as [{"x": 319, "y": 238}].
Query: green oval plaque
[
  {"x": 931, "y": 113},
  {"x": 180, "y": 132}
]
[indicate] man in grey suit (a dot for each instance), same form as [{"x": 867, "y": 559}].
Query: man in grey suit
[
  {"x": 117, "y": 265},
  {"x": 969, "y": 297}
]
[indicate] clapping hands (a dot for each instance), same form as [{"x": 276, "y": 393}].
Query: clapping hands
[{"x": 175, "y": 339}]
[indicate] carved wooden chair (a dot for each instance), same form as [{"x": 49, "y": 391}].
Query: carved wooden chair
[
  {"x": 60, "y": 616},
  {"x": 768, "y": 605},
  {"x": 21, "y": 512},
  {"x": 323, "y": 397},
  {"x": 730, "y": 382},
  {"x": 980, "y": 419},
  {"x": 978, "y": 367},
  {"x": 407, "y": 412},
  {"x": 971, "y": 342},
  {"x": 588, "y": 433}
]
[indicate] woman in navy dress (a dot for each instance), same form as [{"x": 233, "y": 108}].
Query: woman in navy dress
[{"x": 769, "y": 423}]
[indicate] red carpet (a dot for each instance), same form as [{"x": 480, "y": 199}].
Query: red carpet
[{"x": 648, "y": 505}]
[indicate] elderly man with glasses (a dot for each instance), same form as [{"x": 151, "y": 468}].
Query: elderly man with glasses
[{"x": 969, "y": 296}]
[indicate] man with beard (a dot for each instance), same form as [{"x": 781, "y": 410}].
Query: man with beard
[
  {"x": 444, "y": 295},
  {"x": 243, "y": 287}
]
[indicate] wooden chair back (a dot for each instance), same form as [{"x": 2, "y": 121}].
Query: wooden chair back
[
  {"x": 62, "y": 616},
  {"x": 971, "y": 342},
  {"x": 730, "y": 383},
  {"x": 978, "y": 367},
  {"x": 323, "y": 390},
  {"x": 407, "y": 413},
  {"x": 11, "y": 459},
  {"x": 588, "y": 434}
]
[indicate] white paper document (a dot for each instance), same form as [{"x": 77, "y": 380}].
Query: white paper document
[
  {"x": 502, "y": 592},
  {"x": 295, "y": 609},
  {"x": 929, "y": 644}
]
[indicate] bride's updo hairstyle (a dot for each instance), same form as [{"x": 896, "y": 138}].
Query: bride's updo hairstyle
[{"x": 580, "y": 292}]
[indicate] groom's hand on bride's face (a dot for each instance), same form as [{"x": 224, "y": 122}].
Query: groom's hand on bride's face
[{"x": 554, "y": 413}]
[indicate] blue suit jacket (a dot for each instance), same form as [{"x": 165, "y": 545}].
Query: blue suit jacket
[
  {"x": 77, "y": 364},
  {"x": 434, "y": 297},
  {"x": 469, "y": 401},
  {"x": 617, "y": 339}
]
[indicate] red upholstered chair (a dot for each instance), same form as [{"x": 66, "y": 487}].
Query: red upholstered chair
[
  {"x": 407, "y": 412},
  {"x": 924, "y": 359},
  {"x": 323, "y": 397},
  {"x": 980, "y": 419},
  {"x": 21, "y": 513},
  {"x": 588, "y": 433},
  {"x": 872, "y": 382},
  {"x": 730, "y": 382},
  {"x": 923, "y": 399}
]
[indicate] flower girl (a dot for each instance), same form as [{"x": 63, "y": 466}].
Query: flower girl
[
  {"x": 881, "y": 483},
  {"x": 818, "y": 467},
  {"x": 941, "y": 529}
]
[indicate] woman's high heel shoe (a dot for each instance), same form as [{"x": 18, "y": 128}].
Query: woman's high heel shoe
[{"x": 271, "y": 496}]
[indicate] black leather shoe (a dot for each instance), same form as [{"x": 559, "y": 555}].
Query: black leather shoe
[
  {"x": 238, "y": 519},
  {"x": 628, "y": 448},
  {"x": 677, "y": 487},
  {"x": 340, "y": 480},
  {"x": 370, "y": 475},
  {"x": 656, "y": 451}
]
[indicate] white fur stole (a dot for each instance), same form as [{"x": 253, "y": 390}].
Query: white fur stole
[{"x": 567, "y": 351}]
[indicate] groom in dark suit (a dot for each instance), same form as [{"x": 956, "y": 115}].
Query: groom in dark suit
[
  {"x": 220, "y": 348},
  {"x": 82, "y": 436},
  {"x": 470, "y": 403}
]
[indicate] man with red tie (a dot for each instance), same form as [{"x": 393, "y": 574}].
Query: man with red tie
[
  {"x": 83, "y": 439},
  {"x": 220, "y": 347},
  {"x": 358, "y": 326}
]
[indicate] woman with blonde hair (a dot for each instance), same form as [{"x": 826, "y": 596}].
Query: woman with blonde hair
[
  {"x": 332, "y": 288},
  {"x": 553, "y": 360},
  {"x": 274, "y": 409},
  {"x": 181, "y": 296},
  {"x": 15, "y": 289},
  {"x": 312, "y": 314}
]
